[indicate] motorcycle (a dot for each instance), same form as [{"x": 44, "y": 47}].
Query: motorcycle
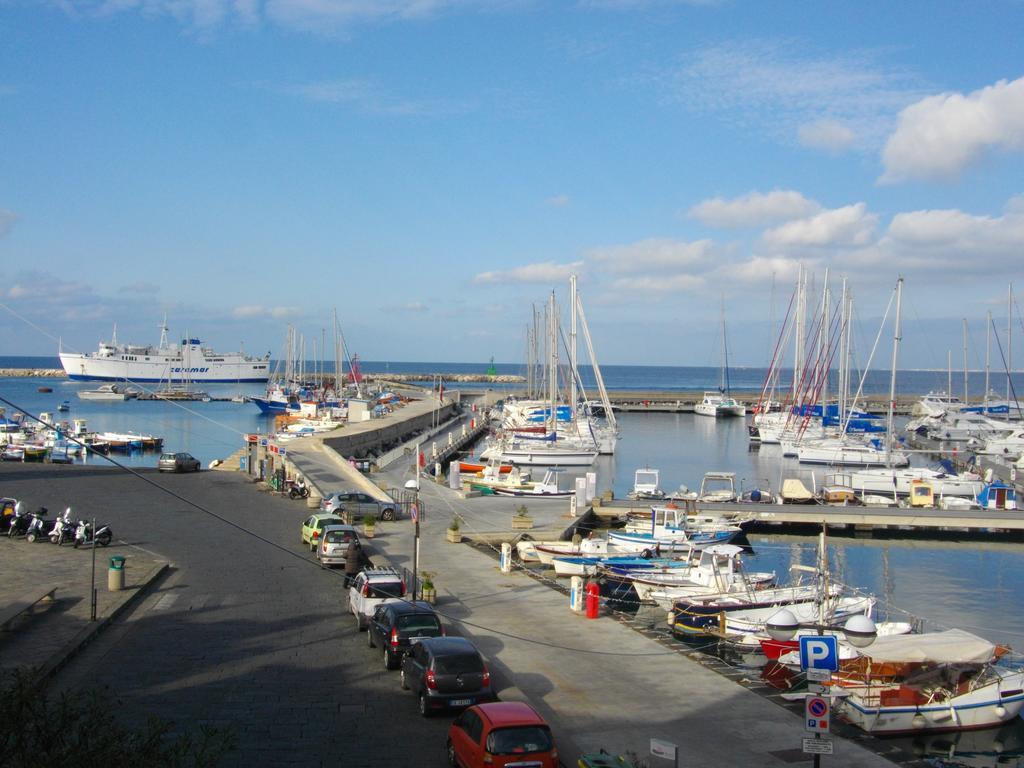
[
  {"x": 63, "y": 529},
  {"x": 84, "y": 534},
  {"x": 19, "y": 521},
  {"x": 39, "y": 526},
  {"x": 299, "y": 490}
]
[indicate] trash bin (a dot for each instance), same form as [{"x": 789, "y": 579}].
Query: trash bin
[{"x": 115, "y": 576}]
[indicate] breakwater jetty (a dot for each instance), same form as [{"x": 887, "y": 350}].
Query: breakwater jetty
[{"x": 449, "y": 378}]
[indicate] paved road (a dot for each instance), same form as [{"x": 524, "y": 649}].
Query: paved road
[{"x": 241, "y": 633}]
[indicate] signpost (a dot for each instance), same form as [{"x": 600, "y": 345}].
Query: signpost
[
  {"x": 819, "y": 658},
  {"x": 665, "y": 749}
]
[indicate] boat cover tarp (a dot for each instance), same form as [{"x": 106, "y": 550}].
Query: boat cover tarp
[
  {"x": 796, "y": 490},
  {"x": 954, "y": 646}
]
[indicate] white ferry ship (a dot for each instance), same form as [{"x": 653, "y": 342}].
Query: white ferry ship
[{"x": 188, "y": 361}]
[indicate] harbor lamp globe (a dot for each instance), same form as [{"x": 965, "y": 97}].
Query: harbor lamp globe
[
  {"x": 411, "y": 485},
  {"x": 782, "y": 625},
  {"x": 860, "y": 631}
]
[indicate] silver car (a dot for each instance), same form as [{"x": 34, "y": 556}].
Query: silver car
[
  {"x": 334, "y": 541},
  {"x": 177, "y": 462},
  {"x": 358, "y": 504}
]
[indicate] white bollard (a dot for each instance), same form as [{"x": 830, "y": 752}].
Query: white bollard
[
  {"x": 465, "y": 430},
  {"x": 572, "y": 506},
  {"x": 506, "y": 557},
  {"x": 451, "y": 439},
  {"x": 576, "y": 594},
  {"x": 438, "y": 477},
  {"x": 433, "y": 450},
  {"x": 455, "y": 476}
]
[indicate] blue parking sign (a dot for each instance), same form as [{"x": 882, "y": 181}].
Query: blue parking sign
[{"x": 819, "y": 652}]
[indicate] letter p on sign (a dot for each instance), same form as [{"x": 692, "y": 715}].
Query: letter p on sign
[{"x": 819, "y": 652}]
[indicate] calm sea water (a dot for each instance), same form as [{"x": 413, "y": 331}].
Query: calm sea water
[
  {"x": 970, "y": 585},
  {"x": 653, "y": 377}
]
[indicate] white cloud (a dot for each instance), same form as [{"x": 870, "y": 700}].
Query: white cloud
[
  {"x": 759, "y": 269},
  {"x": 957, "y": 239},
  {"x": 774, "y": 88},
  {"x": 558, "y": 201},
  {"x": 140, "y": 286},
  {"x": 370, "y": 98},
  {"x": 7, "y": 221},
  {"x": 545, "y": 272},
  {"x": 850, "y": 225},
  {"x": 258, "y": 310},
  {"x": 754, "y": 209},
  {"x": 659, "y": 284},
  {"x": 829, "y": 135},
  {"x": 940, "y": 136},
  {"x": 412, "y": 306},
  {"x": 654, "y": 254}
]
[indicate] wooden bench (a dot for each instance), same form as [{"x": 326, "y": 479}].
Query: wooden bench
[{"x": 12, "y": 611}]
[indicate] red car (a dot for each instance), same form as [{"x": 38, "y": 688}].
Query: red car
[{"x": 501, "y": 733}]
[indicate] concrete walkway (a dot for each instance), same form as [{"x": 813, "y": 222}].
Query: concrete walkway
[{"x": 600, "y": 683}]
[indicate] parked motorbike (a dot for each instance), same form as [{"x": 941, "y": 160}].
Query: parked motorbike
[
  {"x": 38, "y": 526},
  {"x": 19, "y": 521},
  {"x": 63, "y": 529},
  {"x": 84, "y": 534},
  {"x": 299, "y": 490}
]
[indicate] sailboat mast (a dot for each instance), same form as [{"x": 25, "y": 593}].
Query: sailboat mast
[
  {"x": 965, "y": 361},
  {"x": 609, "y": 414},
  {"x": 892, "y": 374},
  {"x": 843, "y": 351},
  {"x": 722, "y": 383},
  {"x": 988, "y": 354},
  {"x": 823, "y": 342},
  {"x": 573, "y": 361},
  {"x": 798, "y": 345},
  {"x": 1009, "y": 345},
  {"x": 552, "y": 361}
]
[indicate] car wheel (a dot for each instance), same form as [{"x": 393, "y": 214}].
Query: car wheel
[
  {"x": 402, "y": 681},
  {"x": 369, "y": 638},
  {"x": 451, "y": 754},
  {"x": 424, "y": 709},
  {"x": 359, "y": 623},
  {"x": 387, "y": 514}
]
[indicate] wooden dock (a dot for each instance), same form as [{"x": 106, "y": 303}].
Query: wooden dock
[{"x": 985, "y": 523}]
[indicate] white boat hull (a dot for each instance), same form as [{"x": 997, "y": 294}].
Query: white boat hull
[
  {"x": 159, "y": 366},
  {"x": 983, "y": 707}
]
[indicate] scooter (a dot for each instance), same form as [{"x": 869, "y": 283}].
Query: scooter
[
  {"x": 84, "y": 534},
  {"x": 63, "y": 530},
  {"x": 39, "y": 526},
  {"x": 299, "y": 490},
  {"x": 19, "y": 522}
]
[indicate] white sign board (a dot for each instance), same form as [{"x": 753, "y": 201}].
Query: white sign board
[
  {"x": 819, "y": 675},
  {"x": 818, "y": 747},
  {"x": 664, "y": 749},
  {"x": 817, "y": 714}
]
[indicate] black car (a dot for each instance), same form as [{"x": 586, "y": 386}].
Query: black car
[
  {"x": 396, "y": 627},
  {"x": 446, "y": 673}
]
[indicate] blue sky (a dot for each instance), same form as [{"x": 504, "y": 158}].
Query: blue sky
[{"x": 431, "y": 167}]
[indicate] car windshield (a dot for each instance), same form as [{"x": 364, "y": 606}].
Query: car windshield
[
  {"x": 458, "y": 664},
  {"x": 419, "y": 623},
  {"x": 528, "y": 738},
  {"x": 386, "y": 589},
  {"x": 339, "y": 537}
]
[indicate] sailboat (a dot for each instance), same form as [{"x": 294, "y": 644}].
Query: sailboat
[{"x": 720, "y": 403}]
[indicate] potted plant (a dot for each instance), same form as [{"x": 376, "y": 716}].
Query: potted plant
[
  {"x": 454, "y": 533},
  {"x": 427, "y": 587},
  {"x": 521, "y": 520},
  {"x": 369, "y": 522}
]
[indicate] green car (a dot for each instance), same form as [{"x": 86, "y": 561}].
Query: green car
[{"x": 313, "y": 525}]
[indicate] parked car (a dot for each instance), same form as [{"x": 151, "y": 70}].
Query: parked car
[
  {"x": 397, "y": 626},
  {"x": 334, "y": 541},
  {"x": 312, "y": 526},
  {"x": 358, "y": 504},
  {"x": 446, "y": 673},
  {"x": 501, "y": 733},
  {"x": 177, "y": 462},
  {"x": 369, "y": 589}
]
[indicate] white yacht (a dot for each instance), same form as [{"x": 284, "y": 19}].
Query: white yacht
[{"x": 718, "y": 404}]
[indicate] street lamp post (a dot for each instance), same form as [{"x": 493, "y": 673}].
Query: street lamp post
[
  {"x": 414, "y": 486},
  {"x": 859, "y": 630}
]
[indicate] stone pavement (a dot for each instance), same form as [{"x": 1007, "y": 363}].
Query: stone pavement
[{"x": 42, "y": 636}]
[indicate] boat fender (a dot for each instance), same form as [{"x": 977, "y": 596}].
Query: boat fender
[{"x": 646, "y": 554}]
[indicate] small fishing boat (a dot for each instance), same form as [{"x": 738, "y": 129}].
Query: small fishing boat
[
  {"x": 717, "y": 487},
  {"x": 646, "y": 484},
  {"x": 109, "y": 392},
  {"x": 44, "y": 389},
  {"x": 64, "y": 406},
  {"x": 545, "y": 489}
]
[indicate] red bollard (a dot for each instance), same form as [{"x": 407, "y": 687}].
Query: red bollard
[
  {"x": 593, "y": 600},
  {"x": 472, "y": 423}
]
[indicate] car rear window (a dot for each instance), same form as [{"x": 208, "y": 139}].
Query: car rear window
[
  {"x": 458, "y": 664},
  {"x": 339, "y": 537},
  {"x": 386, "y": 589},
  {"x": 166, "y": 457},
  {"x": 527, "y": 738},
  {"x": 328, "y": 521},
  {"x": 417, "y": 623}
]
